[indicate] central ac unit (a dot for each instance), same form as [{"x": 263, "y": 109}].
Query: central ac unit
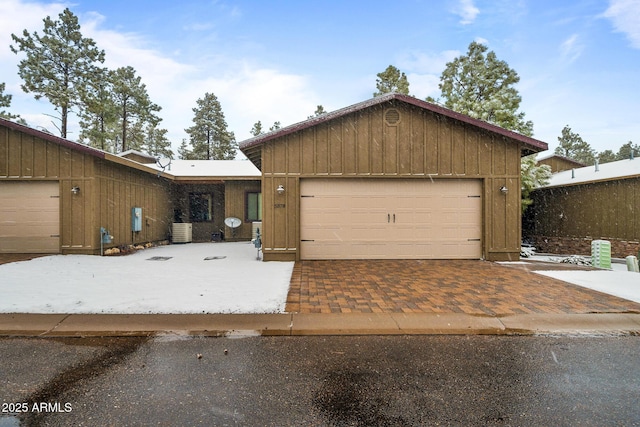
[{"x": 181, "y": 232}]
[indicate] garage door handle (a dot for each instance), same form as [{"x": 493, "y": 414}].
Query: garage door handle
[
  {"x": 388, "y": 217},
  {"x": 394, "y": 218}
]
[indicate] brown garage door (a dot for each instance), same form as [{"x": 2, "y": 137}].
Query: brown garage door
[
  {"x": 390, "y": 218},
  {"x": 29, "y": 217}
]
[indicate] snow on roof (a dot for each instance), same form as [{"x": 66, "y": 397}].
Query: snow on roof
[
  {"x": 605, "y": 171},
  {"x": 211, "y": 168}
]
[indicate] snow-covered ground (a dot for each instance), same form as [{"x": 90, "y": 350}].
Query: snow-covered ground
[
  {"x": 234, "y": 282},
  {"x": 617, "y": 281},
  {"x": 186, "y": 283}
]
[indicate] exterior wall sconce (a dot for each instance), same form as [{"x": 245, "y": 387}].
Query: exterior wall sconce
[
  {"x": 504, "y": 190},
  {"x": 75, "y": 189},
  {"x": 280, "y": 189}
]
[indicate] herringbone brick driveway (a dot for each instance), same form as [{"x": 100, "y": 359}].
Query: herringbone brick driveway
[{"x": 438, "y": 286}]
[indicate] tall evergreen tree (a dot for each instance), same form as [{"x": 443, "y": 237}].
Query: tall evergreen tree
[
  {"x": 135, "y": 109},
  {"x": 57, "y": 63},
  {"x": 626, "y": 151},
  {"x": 532, "y": 176},
  {"x": 209, "y": 136},
  {"x": 276, "y": 125},
  {"x": 184, "y": 152},
  {"x": 391, "y": 80},
  {"x": 5, "y": 101},
  {"x": 319, "y": 112},
  {"x": 481, "y": 86},
  {"x": 257, "y": 128},
  {"x": 156, "y": 142},
  {"x": 99, "y": 113},
  {"x": 572, "y": 146}
]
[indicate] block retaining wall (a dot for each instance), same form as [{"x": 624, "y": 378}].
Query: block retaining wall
[{"x": 582, "y": 246}]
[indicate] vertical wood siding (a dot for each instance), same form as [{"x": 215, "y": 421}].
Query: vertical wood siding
[
  {"x": 107, "y": 192},
  {"x": 597, "y": 210},
  {"x": 421, "y": 145}
]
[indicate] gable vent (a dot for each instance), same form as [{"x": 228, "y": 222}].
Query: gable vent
[{"x": 392, "y": 117}]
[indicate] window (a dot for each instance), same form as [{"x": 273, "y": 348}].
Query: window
[
  {"x": 200, "y": 207},
  {"x": 254, "y": 207}
]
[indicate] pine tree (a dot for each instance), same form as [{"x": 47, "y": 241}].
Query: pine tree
[
  {"x": 481, "y": 86},
  {"x": 5, "y": 101},
  {"x": 532, "y": 176},
  {"x": 626, "y": 150},
  {"x": 209, "y": 136},
  {"x": 319, "y": 112},
  {"x": 156, "y": 142},
  {"x": 257, "y": 128},
  {"x": 391, "y": 80},
  {"x": 99, "y": 113},
  {"x": 184, "y": 152},
  {"x": 57, "y": 63},
  {"x": 135, "y": 109},
  {"x": 572, "y": 146},
  {"x": 276, "y": 126}
]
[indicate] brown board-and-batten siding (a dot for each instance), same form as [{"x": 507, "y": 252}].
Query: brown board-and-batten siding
[
  {"x": 106, "y": 190},
  {"x": 391, "y": 140},
  {"x": 565, "y": 219}
]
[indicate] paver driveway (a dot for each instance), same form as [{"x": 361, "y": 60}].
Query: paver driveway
[{"x": 438, "y": 286}]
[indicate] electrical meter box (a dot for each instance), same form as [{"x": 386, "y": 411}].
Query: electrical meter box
[{"x": 136, "y": 219}]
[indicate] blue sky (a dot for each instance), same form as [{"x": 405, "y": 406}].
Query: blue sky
[{"x": 578, "y": 61}]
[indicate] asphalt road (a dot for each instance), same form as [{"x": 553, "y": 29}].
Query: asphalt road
[{"x": 336, "y": 381}]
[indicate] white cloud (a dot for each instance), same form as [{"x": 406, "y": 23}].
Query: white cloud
[
  {"x": 16, "y": 16},
  {"x": 426, "y": 63},
  {"x": 625, "y": 16},
  {"x": 467, "y": 11},
  {"x": 571, "y": 48},
  {"x": 247, "y": 92}
]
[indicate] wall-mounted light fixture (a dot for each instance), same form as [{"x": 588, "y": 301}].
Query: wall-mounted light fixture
[
  {"x": 280, "y": 189},
  {"x": 75, "y": 189},
  {"x": 504, "y": 190}
]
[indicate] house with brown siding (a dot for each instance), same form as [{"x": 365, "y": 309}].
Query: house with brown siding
[
  {"x": 56, "y": 195},
  {"x": 585, "y": 204},
  {"x": 558, "y": 163},
  {"x": 391, "y": 177}
]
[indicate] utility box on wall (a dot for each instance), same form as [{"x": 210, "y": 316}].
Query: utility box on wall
[{"x": 136, "y": 219}]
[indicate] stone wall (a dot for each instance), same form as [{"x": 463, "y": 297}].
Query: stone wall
[{"x": 582, "y": 246}]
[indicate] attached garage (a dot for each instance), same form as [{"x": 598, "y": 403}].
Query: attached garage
[
  {"x": 30, "y": 217},
  {"x": 390, "y": 218},
  {"x": 391, "y": 177}
]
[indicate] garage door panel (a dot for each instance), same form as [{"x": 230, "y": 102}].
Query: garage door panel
[
  {"x": 29, "y": 217},
  {"x": 385, "y": 218}
]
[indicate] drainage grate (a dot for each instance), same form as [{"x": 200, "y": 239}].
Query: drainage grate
[
  {"x": 209, "y": 258},
  {"x": 159, "y": 258}
]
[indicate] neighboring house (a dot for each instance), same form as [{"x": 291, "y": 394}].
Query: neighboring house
[
  {"x": 391, "y": 177},
  {"x": 56, "y": 195},
  {"x": 558, "y": 163},
  {"x": 583, "y": 204}
]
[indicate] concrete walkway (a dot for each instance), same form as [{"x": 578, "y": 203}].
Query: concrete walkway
[{"x": 296, "y": 324}]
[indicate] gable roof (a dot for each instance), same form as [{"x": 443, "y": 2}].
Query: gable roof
[
  {"x": 179, "y": 170},
  {"x": 551, "y": 155},
  {"x": 621, "y": 169},
  {"x": 52, "y": 138},
  {"x": 250, "y": 147}
]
